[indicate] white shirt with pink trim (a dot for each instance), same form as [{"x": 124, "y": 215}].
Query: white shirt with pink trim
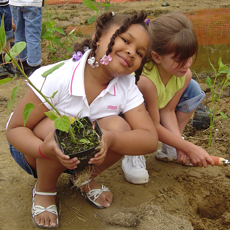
[
  {"x": 121, "y": 94},
  {"x": 35, "y": 3}
]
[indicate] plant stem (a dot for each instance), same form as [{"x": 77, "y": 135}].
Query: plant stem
[
  {"x": 30, "y": 83},
  {"x": 71, "y": 133}
]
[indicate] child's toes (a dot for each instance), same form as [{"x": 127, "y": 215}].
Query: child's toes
[{"x": 53, "y": 222}]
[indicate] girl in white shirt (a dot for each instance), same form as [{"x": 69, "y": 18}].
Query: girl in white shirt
[{"x": 101, "y": 85}]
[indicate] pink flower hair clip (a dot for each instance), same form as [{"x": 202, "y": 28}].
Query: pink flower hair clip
[{"x": 105, "y": 59}]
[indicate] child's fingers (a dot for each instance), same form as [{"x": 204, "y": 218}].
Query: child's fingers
[
  {"x": 60, "y": 154},
  {"x": 183, "y": 158},
  {"x": 70, "y": 163},
  {"x": 213, "y": 160},
  {"x": 99, "y": 157}
]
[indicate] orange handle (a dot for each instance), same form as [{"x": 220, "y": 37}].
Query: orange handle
[{"x": 215, "y": 159}]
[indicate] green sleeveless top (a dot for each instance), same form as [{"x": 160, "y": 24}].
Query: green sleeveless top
[{"x": 164, "y": 93}]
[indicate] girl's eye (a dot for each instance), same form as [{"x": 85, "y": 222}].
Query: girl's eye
[
  {"x": 138, "y": 53},
  {"x": 126, "y": 41}
]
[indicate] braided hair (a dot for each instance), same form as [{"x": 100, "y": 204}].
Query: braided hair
[{"x": 103, "y": 23}]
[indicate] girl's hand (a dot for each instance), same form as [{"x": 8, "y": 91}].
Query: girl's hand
[
  {"x": 183, "y": 158},
  {"x": 100, "y": 156},
  {"x": 51, "y": 150},
  {"x": 198, "y": 156}
]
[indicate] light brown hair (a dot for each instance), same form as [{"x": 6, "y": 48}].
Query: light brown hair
[{"x": 172, "y": 33}]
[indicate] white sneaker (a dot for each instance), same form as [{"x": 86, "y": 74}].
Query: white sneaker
[
  {"x": 134, "y": 168},
  {"x": 167, "y": 153}
]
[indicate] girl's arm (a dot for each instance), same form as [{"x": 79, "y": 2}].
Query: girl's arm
[
  {"x": 165, "y": 135},
  {"x": 23, "y": 137},
  {"x": 20, "y": 136},
  {"x": 168, "y": 116},
  {"x": 141, "y": 139}
]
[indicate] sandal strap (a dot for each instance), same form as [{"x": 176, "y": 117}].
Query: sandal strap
[
  {"x": 72, "y": 181},
  {"x": 38, "y": 209},
  {"x": 45, "y": 193},
  {"x": 97, "y": 192}
]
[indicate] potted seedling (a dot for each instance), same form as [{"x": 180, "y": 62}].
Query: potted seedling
[
  {"x": 87, "y": 141},
  {"x": 78, "y": 134}
]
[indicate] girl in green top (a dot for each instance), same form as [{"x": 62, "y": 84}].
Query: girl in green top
[{"x": 170, "y": 94}]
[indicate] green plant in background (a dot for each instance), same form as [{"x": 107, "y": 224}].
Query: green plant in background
[
  {"x": 53, "y": 35},
  {"x": 96, "y": 7},
  {"x": 225, "y": 71},
  {"x": 62, "y": 122}
]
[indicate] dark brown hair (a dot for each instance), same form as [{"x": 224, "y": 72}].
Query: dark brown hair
[
  {"x": 173, "y": 33},
  {"x": 104, "y": 22}
]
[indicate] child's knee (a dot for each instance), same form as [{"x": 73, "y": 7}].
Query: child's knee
[
  {"x": 43, "y": 128},
  {"x": 194, "y": 88}
]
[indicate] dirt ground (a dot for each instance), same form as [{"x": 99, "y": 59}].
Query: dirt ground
[{"x": 176, "y": 197}]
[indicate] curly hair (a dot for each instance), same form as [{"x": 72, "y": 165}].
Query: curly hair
[{"x": 104, "y": 22}]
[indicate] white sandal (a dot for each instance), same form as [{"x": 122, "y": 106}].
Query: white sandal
[
  {"x": 93, "y": 193},
  {"x": 38, "y": 209}
]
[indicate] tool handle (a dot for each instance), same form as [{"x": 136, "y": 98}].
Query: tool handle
[{"x": 217, "y": 160}]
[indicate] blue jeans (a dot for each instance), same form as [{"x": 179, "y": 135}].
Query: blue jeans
[
  {"x": 28, "y": 23},
  {"x": 191, "y": 98},
  {"x": 21, "y": 161},
  {"x": 7, "y": 21}
]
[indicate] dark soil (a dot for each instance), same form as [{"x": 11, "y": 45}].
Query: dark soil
[{"x": 87, "y": 139}]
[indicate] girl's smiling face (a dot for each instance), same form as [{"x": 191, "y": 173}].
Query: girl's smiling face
[{"x": 128, "y": 50}]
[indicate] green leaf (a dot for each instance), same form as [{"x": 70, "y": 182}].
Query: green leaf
[
  {"x": 212, "y": 66},
  {"x": 48, "y": 36},
  {"x": 84, "y": 141},
  {"x": 48, "y": 24},
  {"x": 228, "y": 75},
  {"x": 223, "y": 115},
  {"x": 15, "y": 50},
  {"x": 52, "y": 23},
  {"x": 56, "y": 40},
  {"x": 66, "y": 56},
  {"x": 13, "y": 95},
  {"x": 5, "y": 80},
  {"x": 209, "y": 82},
  {"x": 62, "y": 123},
  {"x": 61, "y": 45},
  {"x": 53, "y": 50},
  {"x": 59, "y": 30},
  {"x": 54, "y": 94},
  {"x": 69, "y": 49},
  {"x": 2, "y": 34},
  {"x": 27, "y": 111},
  {"x": 51, "y": 70},
  {"x": 52, "y": 115},
  {"x": 221, "y": 83},
  {"x": 222, "y": 67},
  {"x": 224, "y": 71},
  {"x": 105, "y": 4},
  {"x": 90, "y": 4},
  {"x": 92, "y": 19}
]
